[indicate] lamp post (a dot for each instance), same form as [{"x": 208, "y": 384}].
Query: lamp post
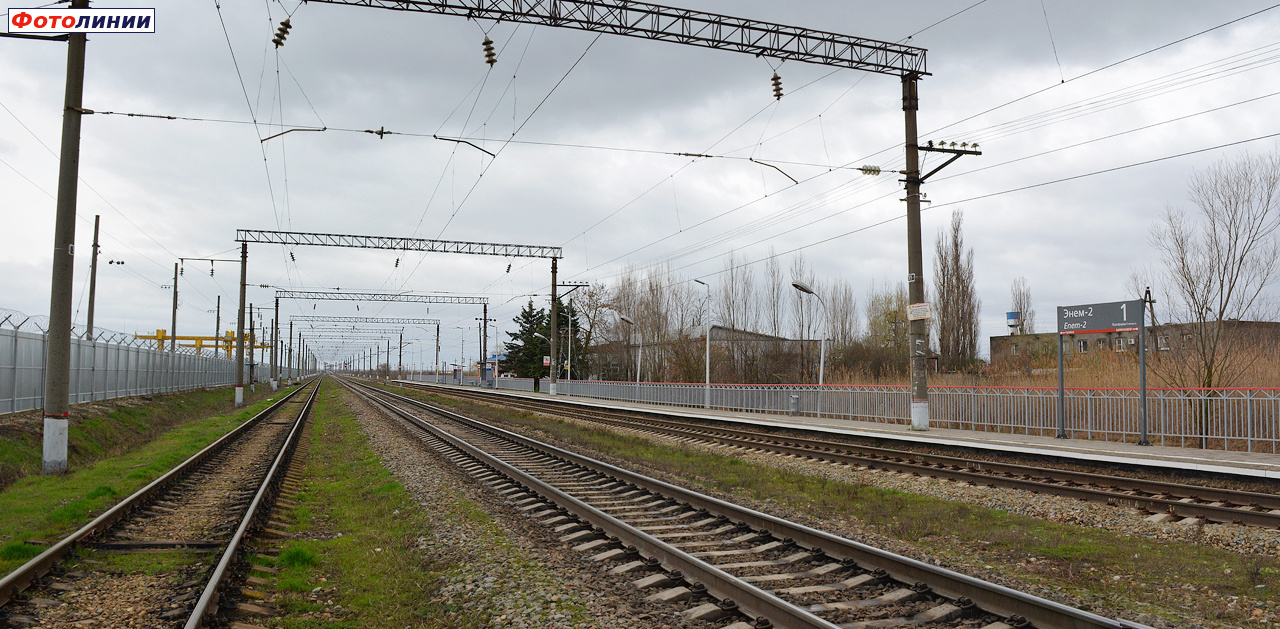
[
  {"x": 640, "y": 352},
  {"x": 553, "y": 362},
  {"x": 706, "y": 395},
  {"x": 822, "y": 345}
]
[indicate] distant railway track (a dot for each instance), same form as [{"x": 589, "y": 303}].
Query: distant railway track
[
  {"x": 209, "y": 505},
  {"x": 1182, "y": 500},
  {"x": 723, "y": 563}
]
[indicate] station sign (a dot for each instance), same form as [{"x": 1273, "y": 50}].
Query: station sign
[{"x": 1116, "y": 316}]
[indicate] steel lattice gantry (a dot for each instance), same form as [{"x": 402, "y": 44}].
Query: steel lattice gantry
[
  {"x": 762, "y": 39},
  {"x": 404, "y": 297},
  {"x": 394, "y": 297},
  {"x": 681, "y": 26},
  {"x": 396, "y": 243},
  {"x": 368, "y": 320}
]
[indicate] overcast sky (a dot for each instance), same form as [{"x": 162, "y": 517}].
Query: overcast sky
[{"x": 592, "y": 165}]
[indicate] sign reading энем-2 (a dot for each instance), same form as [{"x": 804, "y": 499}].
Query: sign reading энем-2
[
  {"x": 45, "y": 20},
  {"x": 1116, "y": 316}
]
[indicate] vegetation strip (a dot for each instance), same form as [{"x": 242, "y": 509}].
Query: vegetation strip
[{"x": 1158, "y": 577}]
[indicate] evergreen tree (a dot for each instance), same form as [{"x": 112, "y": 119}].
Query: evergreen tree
[{"x": 524, "y": 350}]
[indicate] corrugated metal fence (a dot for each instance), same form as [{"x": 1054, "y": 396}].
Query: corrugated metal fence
[
  {"x": 102, "y": 370},
  {"x": 1223, "y": 419}
]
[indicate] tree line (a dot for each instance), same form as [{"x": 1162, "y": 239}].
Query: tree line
[{"x": 762, "y": 329}]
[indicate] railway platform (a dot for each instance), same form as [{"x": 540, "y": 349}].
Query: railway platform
[{"x": 1248, "y": 465}]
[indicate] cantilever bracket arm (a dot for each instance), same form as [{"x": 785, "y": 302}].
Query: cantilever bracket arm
[
  {"x": 944, "y": 165},
  {"x": 955, "y": 155}
]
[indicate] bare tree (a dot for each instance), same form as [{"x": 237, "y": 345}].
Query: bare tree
[
  {"x": 883, "y": 349},
  {"x": 957, "y": 302},
  {"x": 1217, "y": 268},
  {"x": 775, "y": 292},
  {"x": 843, "y": 307},
  {"x": 804, "y": 311},
  {"x": 1020, "y": 292}
]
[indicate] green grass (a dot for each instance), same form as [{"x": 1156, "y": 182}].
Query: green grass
[
  {"x": 295, "y": 556},
  {"x": 109, "y": 428},
  {"x": 1082, "y": 560},
  {"x": 143, "y": 563},
  {"x": 347, "y": 490},
  {"x": 50, "y": 507}
]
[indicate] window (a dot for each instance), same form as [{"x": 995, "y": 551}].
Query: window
[
  {"x": 1102, "y": 344},
  {"x": 1162, "y": 342},
  {"x": 1013, "y": 349},
  {"x": 1082, "y": 346},
  {"x": 1188, "y": 339},
  {"x": 1120, "y": 345}
]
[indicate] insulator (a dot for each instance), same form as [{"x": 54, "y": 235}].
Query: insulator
[
  {"x": 490, "y": 57},
  {"x": 291, "y": 258},
  {"x": 777, "y": 86},
  {"x": 870, "y": 170},
  {"x": 182, "y": 271},
  {"x": 281, "y": 33},
  {"x": 508, "y": 267},
  {"x": 397, "y": 263}
]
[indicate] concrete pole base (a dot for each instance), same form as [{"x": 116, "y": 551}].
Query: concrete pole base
[
  {"x": 919, "y": 415},
  {"x": 551, "y": 390},
  {"x": 275, "y": 385},
  {"x": 239, "y": 396},
  {"x": 55, "y": 445}
]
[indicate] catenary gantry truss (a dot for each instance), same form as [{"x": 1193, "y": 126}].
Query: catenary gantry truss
[
  {"x": 670, "y": 24},
  {"x": 402, "y": 297},
  {"x": 365, "y": 320},
  {"x": 396, "y": 243}
]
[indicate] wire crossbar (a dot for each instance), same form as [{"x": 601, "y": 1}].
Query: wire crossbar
[{"x": 681, "y": 26}]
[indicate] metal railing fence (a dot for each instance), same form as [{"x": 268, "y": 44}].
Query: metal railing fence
[{"x": 1224, "y": 419}]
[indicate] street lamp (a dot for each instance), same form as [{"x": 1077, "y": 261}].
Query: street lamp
[
  {"x": 822, "y": 345},
  {"x": 640, "y": 352},
  {"x": 539, "y": 335},
  {"x": 706, "y": 396}
]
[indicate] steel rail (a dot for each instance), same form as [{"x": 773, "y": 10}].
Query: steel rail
[
  {"x": 27, "y": 573},
  {"x": 252, "y": 518},
  {"x": 751, "y": 600},
  {"x": 989, "y": 597},
  {"x": 996, "y": 474}
]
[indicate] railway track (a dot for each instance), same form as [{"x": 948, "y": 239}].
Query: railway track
[
  {"x": 725, "y": 564},
  {"x": 1211, "y": 504},
  {"x": 199, "y": 514}
]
